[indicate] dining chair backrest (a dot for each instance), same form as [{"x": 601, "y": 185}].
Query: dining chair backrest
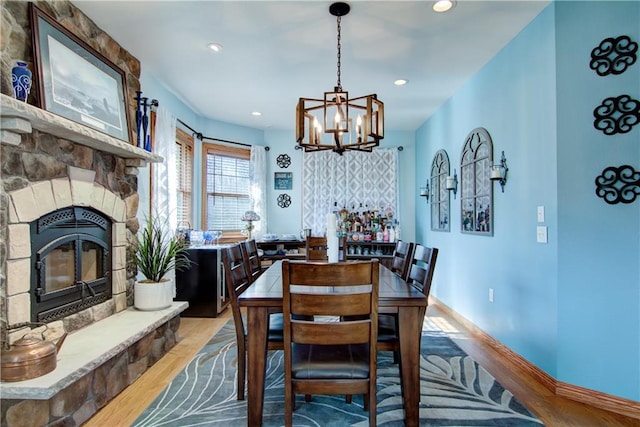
[
  {"x": 423, "y": 264},
  {"x": 316, "y": 249},
  {"x": 420, "y": 275},
  {"x": 335, "y": 351},
  {"x": 401, "y": 260},
  {"x": 250, "y": 253},
  {"x": 238, "y": 279}
]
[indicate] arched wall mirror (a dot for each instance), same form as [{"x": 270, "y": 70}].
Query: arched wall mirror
[
  {"x": 440, "y": 198},
  {"x": 476, "y": 198}
]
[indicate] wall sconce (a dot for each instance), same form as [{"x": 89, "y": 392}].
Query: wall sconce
[
  {"x": 424, "y": 191},
  {"x": 452, "y": 183},
  {"x": 499, "y": 172}
]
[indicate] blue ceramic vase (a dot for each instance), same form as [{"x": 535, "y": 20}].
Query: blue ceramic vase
[{"x": 21, "y": 80}]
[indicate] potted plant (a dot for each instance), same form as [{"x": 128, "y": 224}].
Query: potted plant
[{"x": 157, "y": 253}]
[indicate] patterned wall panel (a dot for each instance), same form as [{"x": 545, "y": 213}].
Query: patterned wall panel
[{"x": 350, "y": 180}]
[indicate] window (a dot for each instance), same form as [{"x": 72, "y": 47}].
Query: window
[
  {"x": 226, "y": 194},
  {"x": 475, "y": 181},
  {"x": 184, "y": 186},
  {"x": 440, "y": 216}
]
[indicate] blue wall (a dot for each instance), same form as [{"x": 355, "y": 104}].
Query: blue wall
[
  {"x": 571, "y": 306},
  {"x": 599, "y": 251}
]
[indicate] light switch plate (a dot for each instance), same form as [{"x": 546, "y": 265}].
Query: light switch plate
[
  {"x": 540, "y": 213},
  {"x": 541, "y": 232}
]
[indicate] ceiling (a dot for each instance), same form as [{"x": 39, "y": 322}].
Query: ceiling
[{"x": 277, "y": 51}]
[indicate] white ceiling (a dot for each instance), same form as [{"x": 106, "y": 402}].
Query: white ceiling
[{"x": 277, "y": 51}]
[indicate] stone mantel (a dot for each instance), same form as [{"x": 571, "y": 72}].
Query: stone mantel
[{"x": 19, "y": 117}]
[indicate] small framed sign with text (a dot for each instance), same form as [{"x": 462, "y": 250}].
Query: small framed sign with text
[{"x": 283, "y": 180}]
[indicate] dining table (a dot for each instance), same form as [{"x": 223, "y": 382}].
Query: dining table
[{"x": 395, "y": 295}]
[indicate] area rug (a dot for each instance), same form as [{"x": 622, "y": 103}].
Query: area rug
[{"x": 455, "y": 391}]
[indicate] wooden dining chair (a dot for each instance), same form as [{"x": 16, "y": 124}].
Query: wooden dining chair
[
  {"x": 316, "y": 249},
  {"x": 422, "y": 266},
  {"x": 330, "y": 354},
  {"x": 401, "y": 260},
  {"x": 238, "y": 280},
  {"x": 250, "y": 253}
]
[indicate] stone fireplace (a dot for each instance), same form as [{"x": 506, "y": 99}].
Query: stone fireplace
[
  {"x": 52, "y": 167},
  {"x": 66, "y": 175},
  {"x": 51, "y": 163},
  {"x": 61, "y": 177}
]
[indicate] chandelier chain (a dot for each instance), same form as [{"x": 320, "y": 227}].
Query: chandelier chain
[{"x": 339, "y": 53}]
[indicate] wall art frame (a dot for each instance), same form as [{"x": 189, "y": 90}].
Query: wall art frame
[
  {"x": 283, "y": 180},
  {"x": 75, "y": 81}
]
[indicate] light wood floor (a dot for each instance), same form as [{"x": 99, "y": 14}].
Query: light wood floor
[{"x": 196, "y": 332}]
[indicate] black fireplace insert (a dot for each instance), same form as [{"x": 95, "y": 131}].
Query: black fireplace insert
[{"x": 71, "y": 262}]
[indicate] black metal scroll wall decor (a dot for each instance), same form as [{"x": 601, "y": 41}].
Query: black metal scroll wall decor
[
  {"x": 284, "y": 200},
  {"x": 283, "y": 160},
  {"x": 613, "y": 55},
  {"x": 621, "y": 113},
  {"x": 618, "y": 184},
  {"x": 617, "y": 115}
]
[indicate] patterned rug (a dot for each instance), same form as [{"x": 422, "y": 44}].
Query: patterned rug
[{"x": 455, "y": 390}]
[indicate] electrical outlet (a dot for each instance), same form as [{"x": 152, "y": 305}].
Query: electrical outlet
[
  {"x": 490, "y": 294},
  {"x": 540, "y": 213}
]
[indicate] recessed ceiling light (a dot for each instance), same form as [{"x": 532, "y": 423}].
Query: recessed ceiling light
[
  {"x": 256, "y": 113},
  {"x": 216, "y": 47},
  {"x": 401, "y": 82},
  {"x": 443, "y": 5}
]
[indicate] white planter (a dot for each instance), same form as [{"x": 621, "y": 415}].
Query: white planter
[{"x": 149, "y": 296}]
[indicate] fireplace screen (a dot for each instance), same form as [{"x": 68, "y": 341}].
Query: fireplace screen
[{"x": 71, "y": 263}]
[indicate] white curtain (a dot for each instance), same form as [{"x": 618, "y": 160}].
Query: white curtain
[
  {"x": 258, "y": 188},
  {"x": 351, "y": 180},
  {"x": 164, "y": 177}
]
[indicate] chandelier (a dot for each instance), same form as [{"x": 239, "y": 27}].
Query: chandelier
[{"x": 336, "y": 122}]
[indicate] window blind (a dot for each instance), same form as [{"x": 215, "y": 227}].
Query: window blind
[
  {"x": 227, "y": 187},
  {"x": 184, "y": 176}
]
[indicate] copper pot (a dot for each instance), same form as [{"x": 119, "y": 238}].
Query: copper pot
[{"x": 29, "y": 357}]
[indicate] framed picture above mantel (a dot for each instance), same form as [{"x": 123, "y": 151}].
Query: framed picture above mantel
[{"x": 75, "y": 81}]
